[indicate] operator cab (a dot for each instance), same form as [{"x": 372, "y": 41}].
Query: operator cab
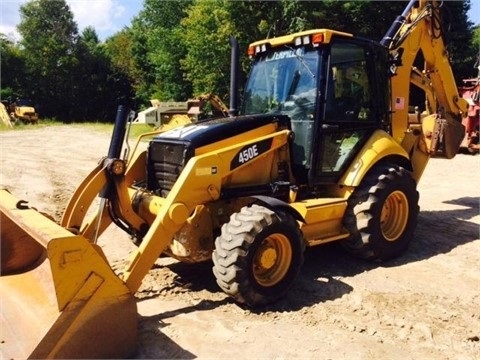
[{"x": 334, "y": 88}]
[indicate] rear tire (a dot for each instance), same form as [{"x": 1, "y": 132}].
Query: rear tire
[
  {"x": 382, "y": 214},
  {"x": 258, "y": 255}
]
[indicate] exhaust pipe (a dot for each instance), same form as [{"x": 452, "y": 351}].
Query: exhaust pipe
[{"x": 234, "y": 68}]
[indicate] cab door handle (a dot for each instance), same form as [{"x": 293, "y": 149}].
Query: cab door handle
[{"x": 329, "y": 127}]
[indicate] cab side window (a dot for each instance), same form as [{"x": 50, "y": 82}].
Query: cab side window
[{"x": 348, "y": 91}]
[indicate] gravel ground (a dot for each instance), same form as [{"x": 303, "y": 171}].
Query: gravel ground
[{"x": 423, "y": 305}]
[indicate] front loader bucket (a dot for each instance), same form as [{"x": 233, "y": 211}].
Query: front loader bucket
[
  {"x": 18, "y": 254},
  {"x": 59, "y": 296}
]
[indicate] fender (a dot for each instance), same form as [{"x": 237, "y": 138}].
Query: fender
[
  {"x": 380, "y": 146},
  {"x": 276, "y": 204}
]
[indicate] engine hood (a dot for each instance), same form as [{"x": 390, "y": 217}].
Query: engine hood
[
  {"x": 210, "y": 131},
  {"x": 25, "y": 109}
]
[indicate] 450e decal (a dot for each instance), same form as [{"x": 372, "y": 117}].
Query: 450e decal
[{"x": 250, "y": 152}]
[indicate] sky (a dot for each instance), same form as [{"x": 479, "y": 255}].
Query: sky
[
  {"x": 106, "y": 16},
  {"x": 110, "y": 16}
]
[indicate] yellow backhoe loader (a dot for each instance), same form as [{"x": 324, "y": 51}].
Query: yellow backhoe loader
[
  {"x": 22, "y": 110},
  {"x": 323, "y": 148}
]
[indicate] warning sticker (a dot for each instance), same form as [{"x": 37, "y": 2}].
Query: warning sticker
[{"x": 399, "y": 103}]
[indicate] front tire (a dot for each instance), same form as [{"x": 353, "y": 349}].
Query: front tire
[
  {"x": 258, "y": 255},
  {"x": 382, "y": 214}
]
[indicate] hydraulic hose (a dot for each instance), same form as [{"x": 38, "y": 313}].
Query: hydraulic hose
[
  {"x": 118, "y": 135},
  {"x": 396, "y": 25}
]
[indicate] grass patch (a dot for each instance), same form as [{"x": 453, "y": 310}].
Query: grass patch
[
  {"x": 138, "y": 129},
  {"x": 95, "y": 126},
  {"x": 21, "y": 126},
  {"x": 135, "y": 130}
]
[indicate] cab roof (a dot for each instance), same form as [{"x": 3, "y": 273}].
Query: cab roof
[{"x": 290, "y": 38}]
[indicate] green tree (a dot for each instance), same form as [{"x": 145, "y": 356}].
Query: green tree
[
  {"x": 206, "y": 31},
  {"x": 157, "y": 49},
  {"x": 369, "y": 19},
  {"x": 122, "y": 71},
  {"x": 209, "y": 24},
  {"x": 476, "y": 45},
  {"x": 476, "y": 37},
  {"x": 458, "y": 35},
  {"x": 100, "y": 86},
  {"x": 118, "y": 48},
  {"x": 89, "y": 77},
  {"x": 12, "y": 69},
  {"x": 49, "y": 41}
]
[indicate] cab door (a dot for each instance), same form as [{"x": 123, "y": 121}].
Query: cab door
[{"x": 349, "y": 114}]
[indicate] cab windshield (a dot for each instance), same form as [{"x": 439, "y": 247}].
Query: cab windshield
[{"x": 283, "y": 81}]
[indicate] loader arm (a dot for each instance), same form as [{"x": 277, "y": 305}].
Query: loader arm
[
  {"x": 84, "y": 196},
  {"x": 77, "y": 217}
]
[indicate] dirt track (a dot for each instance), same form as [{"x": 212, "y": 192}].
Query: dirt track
[{"x": 423, "y": 305}]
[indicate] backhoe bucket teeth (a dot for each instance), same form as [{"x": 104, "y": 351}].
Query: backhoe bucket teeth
[{"x": 47, "y": 269}]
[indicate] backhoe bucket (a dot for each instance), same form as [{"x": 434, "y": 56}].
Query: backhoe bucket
[{"x": 46, "y": 269}]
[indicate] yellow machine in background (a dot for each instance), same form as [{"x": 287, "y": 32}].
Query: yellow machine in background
[
  {"x": 325, "y": 149},
  {"x": 164, "y": 115},
  {"x": 22, "y": 110}
]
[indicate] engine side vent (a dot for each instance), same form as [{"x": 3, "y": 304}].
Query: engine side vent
[{"x": 165, "y": 163}]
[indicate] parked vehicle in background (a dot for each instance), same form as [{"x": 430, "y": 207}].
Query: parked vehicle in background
[
  {"x": 22, "y": 110},
  {"x": 470, "y": 91}
]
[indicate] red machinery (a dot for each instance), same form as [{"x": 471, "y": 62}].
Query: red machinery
[{"x": 470, "y": 91}]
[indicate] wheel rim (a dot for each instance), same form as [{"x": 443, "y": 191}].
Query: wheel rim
[
  {"x": 272, "y": 260},
  {"x": 394, "y": 217}
]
